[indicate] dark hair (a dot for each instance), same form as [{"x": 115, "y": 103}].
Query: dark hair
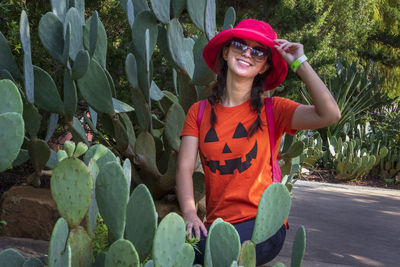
[{"x": 257, "y": 89}]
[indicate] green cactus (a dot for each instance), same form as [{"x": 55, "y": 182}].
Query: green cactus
[
  {"x": 71, "y": 188},
  {"x": 12, "y": 258},
  {"x": 33, "y": 262},
  {"x": 69, "y": 147},
  {"x": 299, "y": 247},
  {"x": 46, "y": 93},
  {"x": 112, "y": 206},
  {"x": 11, "y": 122},
  {"x": 247, "y": 256},
  {"x": 224, "y": 240},
  {"x": 122, "y": 253},
  {"x": 273, "y": 209},
  {"x": 91, "y": 216},
  {"x": 207, "y": 252},
  {"x": 95, "y": 89},
  {"x": 169, "y": 240},
  {"x": 59, "y": 250},
  {"x": 140, "y": 230},
  {"x": 185, "y": 257},
  {"x": 81, "y": 247}
]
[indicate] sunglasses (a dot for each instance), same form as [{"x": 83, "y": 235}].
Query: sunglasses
[{"x": 258, "y": 53}]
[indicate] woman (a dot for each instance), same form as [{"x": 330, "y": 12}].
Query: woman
[{"x": 233, "y": 137}]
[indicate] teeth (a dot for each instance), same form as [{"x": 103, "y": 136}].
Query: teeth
[{"x": 244, "y": 62}]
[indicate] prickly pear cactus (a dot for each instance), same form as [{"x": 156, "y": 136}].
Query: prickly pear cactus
[
  {"x": 112, "y": 195},
  {"x": 33, "y": 262},
  {"x": 81, "y": 247},
  {"x": 59, "y": 250},
  {"x": 140, "y": 230},
  {"x": 185, "y": 257},
  {"x": 11, "y": 123},
  {"x": 71, "y": 188},
  {"x": 247, "y": 256},
  {"x": 11, "y": 257},
  {"x": 207, "y": 252},
  {"x": 299, "y": 247},
  {"x": 273, "y": 209},
  {"x": 224, "y": 240},
  {"x": 168, "y": 240},
  {"x": 122, "y": 254}
]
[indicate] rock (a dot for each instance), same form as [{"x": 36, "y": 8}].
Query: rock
[
  {"x": 29, "y": 212},
  {"x": 29, "y": 248},
  {"x": 163, "y": 207}
]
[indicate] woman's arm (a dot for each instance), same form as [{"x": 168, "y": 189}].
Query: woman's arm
[
  {"x": 325, "y": 111},
  {"x": 184, "y": 185}
]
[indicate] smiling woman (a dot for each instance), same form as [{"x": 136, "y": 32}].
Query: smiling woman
[{"x": 233, "y": 137}]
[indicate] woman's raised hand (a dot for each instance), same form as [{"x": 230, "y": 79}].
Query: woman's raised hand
[
  {"x": 194, "y": 224},
  {"x": 289, "y": 51}
]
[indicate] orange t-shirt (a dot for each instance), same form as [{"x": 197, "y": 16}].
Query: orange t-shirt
[{"x": 237, "y": 169}]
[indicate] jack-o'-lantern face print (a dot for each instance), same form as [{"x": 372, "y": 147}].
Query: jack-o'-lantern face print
[{"x": 227, "y": 163}]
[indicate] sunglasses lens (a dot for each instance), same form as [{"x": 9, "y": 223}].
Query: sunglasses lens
[
  {"x": 257, "y": 53},
  {"x": 238, "y": 46}
]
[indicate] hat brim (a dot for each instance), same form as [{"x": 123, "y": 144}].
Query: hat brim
[{"x": 279, "y": 69}]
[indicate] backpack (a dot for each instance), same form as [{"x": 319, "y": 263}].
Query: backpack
[{"x": 269, "y": 111}]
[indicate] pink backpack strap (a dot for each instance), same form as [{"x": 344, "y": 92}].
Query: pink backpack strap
[
  {"x": 200, "y": 112},
  {"x": 269, "y": 111}
]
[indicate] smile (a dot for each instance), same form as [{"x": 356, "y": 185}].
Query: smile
[
  {"x": 232, "y": 164},
  {"x": 244, "y": 62}
]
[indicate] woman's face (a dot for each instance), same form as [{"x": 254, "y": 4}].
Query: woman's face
[{"x": 245, "y": 62}]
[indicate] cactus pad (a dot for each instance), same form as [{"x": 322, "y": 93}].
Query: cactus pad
[
  {"x": 140, "y": 230},
  {"x": 168, "y": 240},
  {"x": 173, "y": 126},
  {"x": 71, "y": 189},
  {"x": 59, "y": 255},
  {"x": 81, "y": 247},
  {"x": 12, "y": 258},
  {"x": 273, "y": 209},
  {"x": 33, "y": 262},
  {"x": 69, "y": 147},
  {"x": 248, "y": 254},
  {"x": 224, "y": 240},
  {"x": 46, "y": 93},
  {"x": 52, "y": 36},
  {"x": 207, "y": 252},
  {"x": 10, "y": 100},
  {"x": 185, "y": 257},
  {"x": 112, "y": 196},
  {"x": 11, "y": 138},
  {"x": 122, "y": 253},
  {"x": 95, "y": 89},
  {"x": 299, "y": 247}
]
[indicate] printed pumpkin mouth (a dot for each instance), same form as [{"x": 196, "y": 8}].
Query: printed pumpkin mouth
[{"x": 232, "y": 164}]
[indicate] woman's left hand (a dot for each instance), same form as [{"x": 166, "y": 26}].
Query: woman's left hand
[{"x": 289, "y": 51}]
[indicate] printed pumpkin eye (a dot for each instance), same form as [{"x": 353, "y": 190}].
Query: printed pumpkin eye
[
  {"x": 240, "y": 131},
  {"x": 211, "y": 136}
]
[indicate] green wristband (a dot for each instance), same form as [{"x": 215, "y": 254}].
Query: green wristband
[{"x": 298, "y": 62}]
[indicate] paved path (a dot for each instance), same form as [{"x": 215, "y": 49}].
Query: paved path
[{"x": 345, "y": 225}]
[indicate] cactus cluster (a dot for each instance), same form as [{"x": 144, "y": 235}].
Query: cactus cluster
[
  {"x": 289, "y": 159},
  {"x": 134, "y": 239},
  {"x": 79, "y": 48}
]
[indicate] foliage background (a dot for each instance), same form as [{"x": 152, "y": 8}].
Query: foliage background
[{"x": 363, "y": 31}]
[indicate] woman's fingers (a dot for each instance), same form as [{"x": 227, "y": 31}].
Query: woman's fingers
[
  {"x": 189, "y": 228},
  {"x": 197, "y": 231},
  {"x": 204, "y": 229}
]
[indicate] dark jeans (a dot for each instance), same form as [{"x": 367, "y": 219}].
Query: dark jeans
[{"x": 265, "y": 251}]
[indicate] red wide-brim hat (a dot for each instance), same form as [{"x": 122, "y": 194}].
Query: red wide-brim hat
[{"x": 255, "y": 30}]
